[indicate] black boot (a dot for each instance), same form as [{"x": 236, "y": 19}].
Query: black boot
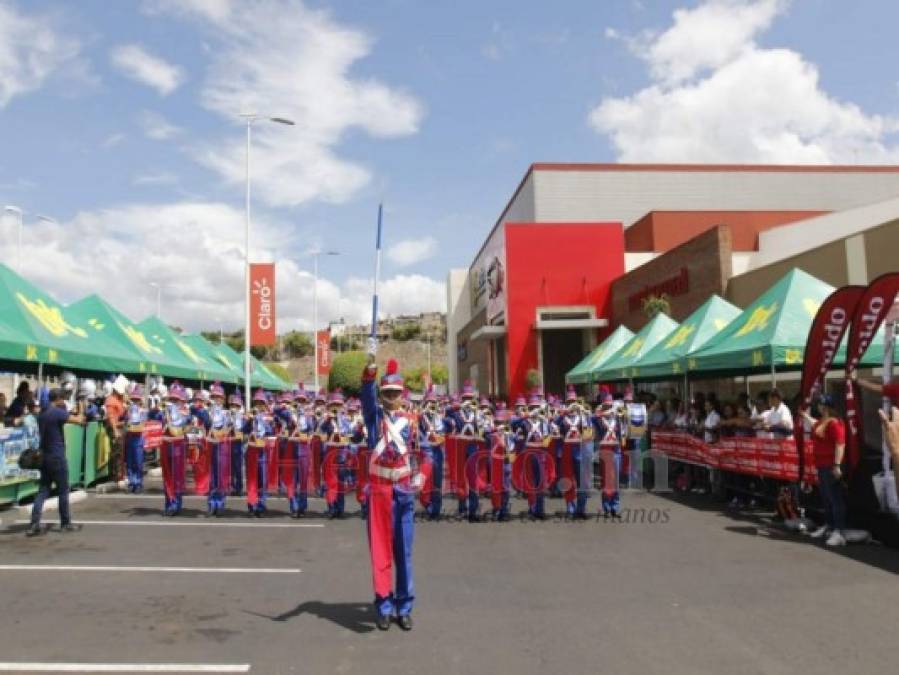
[
  {"x": 33, "y": 531},
  {"x": 405, "y": 622},
  {"x": 383, "y": 622}
]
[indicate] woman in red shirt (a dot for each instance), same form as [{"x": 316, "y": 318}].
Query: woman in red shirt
[{"x": 829, "y": 444}]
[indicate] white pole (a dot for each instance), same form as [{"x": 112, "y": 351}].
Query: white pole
[
  {"x": 246, "y": 341},
  {"x": 315, "y": 316},
  {"x": 889, "y": 349},
  {"x": 429, "y": 360}
]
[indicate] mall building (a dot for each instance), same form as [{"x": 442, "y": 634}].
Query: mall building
[{"x": 579, "y": 246}]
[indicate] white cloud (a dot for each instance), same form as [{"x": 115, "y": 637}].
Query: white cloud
[
  {"x": 113, "y": 140},
  {"x": 412, "y": 251},
  {"x": 161, "y": 178},
  {"x": 137, "y": 63},
  {"x": 195, "y": 249},
  {"x": 282, "y": 58},
  {"x": 31, "y": 49},
  {"x": 717, "y": 96},
  {"x": 156, "y": 126}
]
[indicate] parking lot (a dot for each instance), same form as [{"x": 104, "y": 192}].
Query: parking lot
[{"x": 676, "y": 587}]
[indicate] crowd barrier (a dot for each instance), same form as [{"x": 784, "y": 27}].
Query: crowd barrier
[{"x": 775, "y": 458}]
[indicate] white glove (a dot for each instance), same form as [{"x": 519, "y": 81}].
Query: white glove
[{"x": 372, "y": 346}]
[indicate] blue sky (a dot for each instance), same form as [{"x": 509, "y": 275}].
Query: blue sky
[{"x": 119, "y": 120}]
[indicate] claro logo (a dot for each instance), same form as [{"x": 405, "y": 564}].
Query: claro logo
[
  {"x": 263, "y": 290},
  {"x": 868, "y": 322}
]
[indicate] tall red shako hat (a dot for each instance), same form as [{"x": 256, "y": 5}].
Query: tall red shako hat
[{"x": 392, "y": 380}]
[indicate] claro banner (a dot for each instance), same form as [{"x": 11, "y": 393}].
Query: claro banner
[
  {"x": 324, "y": 351},
  {"x": 262, "y": 304}
]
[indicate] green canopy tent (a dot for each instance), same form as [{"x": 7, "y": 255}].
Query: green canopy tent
[
  {"x": 582, "y": 373},
  {"x": 667, "y": 360},
  {"x": 107, "y": 322},
  {"x": 38, "y": 331},
  {"x": 620, "y": 366},
  {"x": 770, "y": 333},
  {"x": 202, "y": 368},
  {"x": 228, "y": 373}
]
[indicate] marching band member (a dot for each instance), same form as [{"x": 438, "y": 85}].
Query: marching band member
[
  {"x": 236, "y": 423},
  {"x": 391, "y": 494},
  {"x": 174, "y": 448},
  {"x": 360, "y": 453},
  {"x": 609, "y": 432},
  {"x": 469, "y": 435},
  {"x": 335, "y": 431},
  {"x": 135, "y": 416},
  {"x": 218, "y": 446},
  {"x": 501, "y": 458},
  {"x": 431, "y": 431},
  {"x": 577, "y": 456},
  {"x": 303, "y": 428},
  {"x": 260, "y": 454},
  {"x": 535, "y": 434}
]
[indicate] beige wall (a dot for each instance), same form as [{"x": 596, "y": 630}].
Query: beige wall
[
  {"x": 827, "y": 263},
  {"x": 882, "y": 249}
]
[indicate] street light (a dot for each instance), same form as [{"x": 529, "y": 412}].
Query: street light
[
  {"x": 158, "y": 288},
  {"x": 250, "y": 118},
  {"x": 315, "y": 253},
  {"x": 16, "y": 211}
]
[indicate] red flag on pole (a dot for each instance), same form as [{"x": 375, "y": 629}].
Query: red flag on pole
[
  {"x": 324, "y": 351},
  {"x": 828, "y": 328},
  {"x": 872, "y": 309},
  {"x": 262, "y": 304}
]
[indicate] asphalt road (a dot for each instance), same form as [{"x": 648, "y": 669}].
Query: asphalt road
[{"x": 687, "y": 590}]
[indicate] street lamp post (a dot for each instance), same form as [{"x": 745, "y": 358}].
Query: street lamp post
[
  {"x": 315, "y": 254},
  {"x": 16, "y": 211},
  {"x": 250, "y": 118},
  {"x": 158, "y": 288}
]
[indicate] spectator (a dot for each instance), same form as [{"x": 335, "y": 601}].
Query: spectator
[
  {"x": 711, "y": 423},
  {"x": 829, "y": 445},
  {"x": 743, "y": 426},
  {"x": 2, "y": 405},
  {"x": 657, "y": 415},
  {"x": 778, "y": 419},
  {"x": 55, "y": 467},
  {"x": 16, "y": 410},
  {"x": 680, "y": 420},
  {"x": 728, "y": 420},
  {"x": 891, "y": 437}
]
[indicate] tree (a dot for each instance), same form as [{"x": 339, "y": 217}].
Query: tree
[
  {"x": 439, "y": 374},
  {"x": 655, "y": 304},
  {"x": 533, "y": 379},
  {"x": 406, "y": 332},
  {"x": 346, "y": 372},
  {"x": 298, "y": 344}
]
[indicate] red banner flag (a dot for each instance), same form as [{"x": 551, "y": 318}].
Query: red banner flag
[
  {"x": 873, "y": 307},
  {"x": 828, "y": 328},
  {"x": 324, "y": 351},
  {"x": 262, "y": 304}
]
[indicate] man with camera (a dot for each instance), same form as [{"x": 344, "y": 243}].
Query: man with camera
[{"x": 53, "y": 465}]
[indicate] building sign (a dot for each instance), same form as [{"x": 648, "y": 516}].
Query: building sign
[
  {"x": 677, "y": 285},
  {"x": 496, "y": 287},
  {"x": 324, "y": 351},
  {"x": 262, "y": 304}
]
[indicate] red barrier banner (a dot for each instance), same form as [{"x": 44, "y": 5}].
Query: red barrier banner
[
  {"x": 262, "y": 304},
  {"x": 152, "y": 435},
  {"x": 769, "y": 457}
]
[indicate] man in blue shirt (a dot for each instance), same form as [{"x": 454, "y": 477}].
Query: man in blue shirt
[{"x": 55, "y": 468}]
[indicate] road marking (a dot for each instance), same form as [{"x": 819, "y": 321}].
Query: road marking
[
  {"x": 173, "y": 523},
  {"x": 143, "y": 568},
  {"x": 124, "y": 668}
]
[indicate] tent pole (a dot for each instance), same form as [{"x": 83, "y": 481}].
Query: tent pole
[
  {"x": 773, "y": 376},
  {"x": 746, "y": 384},
  {"x": 40, "y": 376}
]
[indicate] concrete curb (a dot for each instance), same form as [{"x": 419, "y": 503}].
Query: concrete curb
[{"x": 52, "y": 504}]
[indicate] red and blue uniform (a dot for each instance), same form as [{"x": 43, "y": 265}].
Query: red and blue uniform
[
  {"x": 576, "y": 462},
  {"x": 219, "y": 456},
  {"x": 335, "y": 430},
  {"x": 608, "y": 432},
  {"x": 174, "y": 456},
  {"x": 135, "y": 417},
  {"x": 261, "y": 456},
  {"x": 391, "y": 502}
]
